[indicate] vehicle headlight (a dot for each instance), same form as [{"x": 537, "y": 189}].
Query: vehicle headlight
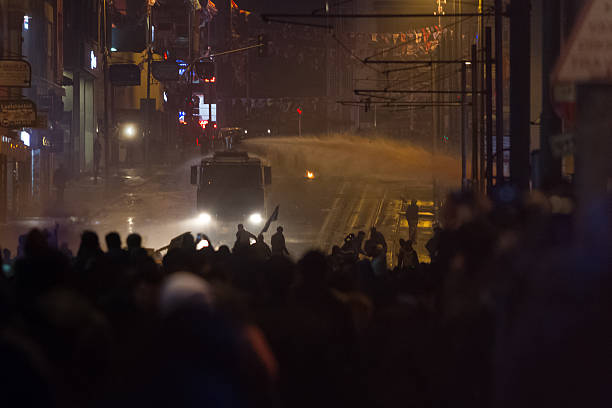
[
  {"x": 205, "y": 218},
  {"x": 255, "y": 218}
]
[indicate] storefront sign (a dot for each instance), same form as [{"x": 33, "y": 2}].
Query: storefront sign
[
  {"x": 17, "y": 114},
  {"x": 15, "y": 73}
]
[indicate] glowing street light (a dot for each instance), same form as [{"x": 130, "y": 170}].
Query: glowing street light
[{"x": 129, "y": 131}]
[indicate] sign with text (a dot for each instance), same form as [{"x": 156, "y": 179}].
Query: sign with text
[
  {"x": 15, "y": 73},
  {"x": 587, "y": 57},
  {"x": 17, "y": 114}
]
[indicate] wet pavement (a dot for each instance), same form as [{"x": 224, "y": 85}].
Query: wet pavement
[{"x": 160, "y": 203}]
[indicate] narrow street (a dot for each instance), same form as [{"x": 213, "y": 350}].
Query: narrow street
[{"x": 159, "y": 204}]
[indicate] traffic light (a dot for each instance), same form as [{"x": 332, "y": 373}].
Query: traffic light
[
  {"x": 262, "y": 41},
  {"x": 205, "y": 69}
]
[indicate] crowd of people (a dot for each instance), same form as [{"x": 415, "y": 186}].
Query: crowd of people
[{"x": 513, "y": 310}]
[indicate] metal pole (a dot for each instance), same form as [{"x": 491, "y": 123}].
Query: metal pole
[
  {"x": 147, "y": 105},
  {"x": 434, "y": 120},
  {"x": 299, "y": 124},
  {"x": 463, "y": 136},
  {"x": 107, "y": 111},
  {"x": 499, "y": 92},
  {"x": 550, "y": 166},
  {"x": 474, "y": 118},
  {"x": 489, "y": 109},
  {"x": 520, "y": 93},
  {"x": 482, "y": 105}
]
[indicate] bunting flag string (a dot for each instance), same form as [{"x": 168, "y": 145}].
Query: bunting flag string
[{"x": 426, "y": 38}]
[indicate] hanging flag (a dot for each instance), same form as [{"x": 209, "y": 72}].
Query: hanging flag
[
  {"x": 212, "y": 8},
  {"x": 194, "y": 3},
  {"x": 272, "y": 218},
  {"x": 234, "y": 5}
]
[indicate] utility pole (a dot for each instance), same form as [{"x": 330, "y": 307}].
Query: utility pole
[
  {"x": 550, "y": 167},
  {"x": 520, "y": 93},
  {"x": 489, "y": 109},
  {"x": 499, "y": 91},
  {"x": 463, "y": 126},
  {"x": 147, "y": 135},
  {"x": 107, "y": 110},
  {"x": 474, "y": 118},
  {"x": 482, "y": 104}
]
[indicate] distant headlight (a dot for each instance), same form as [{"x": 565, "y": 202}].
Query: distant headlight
[
  {"x": 205, "y": 218},
  {"x": 255, "y": 218}
]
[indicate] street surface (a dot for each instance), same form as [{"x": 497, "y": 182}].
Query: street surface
[{"x": 348, "y": 194}]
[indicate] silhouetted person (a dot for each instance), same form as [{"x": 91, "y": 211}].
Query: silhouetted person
[
  {"x": 261, "y": 249},
  {"x": 243, "y": 238},
  {"x": 113, "y": 245},
  {"x": 279, "y": 246},
  {"x": 97, "y": 156},
  {"x": 133, "y": 241},
  {"x": 433, "y": 245},
  {"x": 412, "y": 216},
  {"x": 89, "y": 251},
  {"x": 60, "y": 177},
  {"x": 376, "y": 243},
  {"x": 134, "y": 247},
  {"x": 407, "y": 257},
  {"x": 357, "y": 243}
]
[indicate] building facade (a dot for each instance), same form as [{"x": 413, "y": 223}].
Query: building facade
[{"x": 83, "y": 102}]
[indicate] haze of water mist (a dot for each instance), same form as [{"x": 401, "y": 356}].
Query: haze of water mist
[{"x": 349, "y": 155}]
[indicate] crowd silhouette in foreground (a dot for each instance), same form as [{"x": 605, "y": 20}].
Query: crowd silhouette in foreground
[{"x": 513, "y": 311}]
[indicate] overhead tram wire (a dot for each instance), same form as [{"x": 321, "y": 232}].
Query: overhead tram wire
[
  {"x": 421, "y": 63},
  {"x": 466, "y": 16}
]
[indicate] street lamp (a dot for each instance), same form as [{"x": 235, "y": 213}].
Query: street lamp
[{"x": 129, "y": 131}]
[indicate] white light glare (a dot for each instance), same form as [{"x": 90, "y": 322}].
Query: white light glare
[
  {"x": 255, "y": 218},
  {"x": 269, "y": 131},
  {"x": 25, "y": 138},
  {"x": 205, "y": 218},
  {"x": 129, "y": 131},
  {"x": 202, "y": 244}
]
